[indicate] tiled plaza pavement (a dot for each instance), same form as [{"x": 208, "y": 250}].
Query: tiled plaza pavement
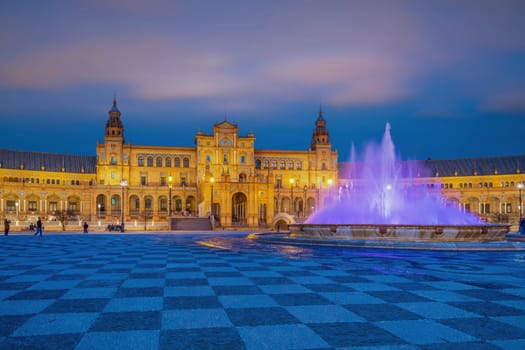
[{"x": 129, "y": 291}]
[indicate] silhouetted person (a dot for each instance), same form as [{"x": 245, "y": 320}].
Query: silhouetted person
[
  {"x": 86, "y": 227},
  {"x": 38, "y": 227},
  {"x": 6, "y": 226}
]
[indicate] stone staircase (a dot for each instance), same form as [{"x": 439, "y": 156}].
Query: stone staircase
[{"x": 191, "y": 224}]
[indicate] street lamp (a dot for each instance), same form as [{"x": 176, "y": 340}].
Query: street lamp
[
  {"x": 212, "y": 180},
  {"x": 170, "y": 181},
  {"x": 123, "y": 184},
  {"x": 292, "y": 204},
  {"x": 520, "y": 186},
  {"x": 305, "y": 188},
  {"x": 17, "y": 204}
]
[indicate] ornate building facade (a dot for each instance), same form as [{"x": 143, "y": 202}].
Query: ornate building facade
[{"x": 223, "y": 177}]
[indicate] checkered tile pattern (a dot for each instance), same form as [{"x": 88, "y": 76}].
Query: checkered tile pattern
[{"x": 173, "y": 292}]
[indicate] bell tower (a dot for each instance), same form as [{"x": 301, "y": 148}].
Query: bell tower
[
  {"x": 320, "y": 137},
  {"x": 113, "y": 154},
  {"x": 114, "y": 127}
]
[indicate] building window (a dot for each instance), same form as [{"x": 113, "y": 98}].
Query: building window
[
  {"x": 31, "y": 205},
  {"x": 242, "y": 177},
  {"x": 225, "y": 159},
  {"x": 72, "y": 206},
  {"x": 113, "y": 160},
  {"x": 150, "y": 161},
  {"x": 53, "y": 206},
  {"x": 208, "y": 158},
  {"x": 143, "y": 180},
  {"x": 258, "y": 164},
  {"x": 168, "y": 162},
  {"x": 141, "y": 161},
  {"x": 147, "y": 203},
  {"x": 177, "y": 162},
  {"x": 113, "y": 175},
  {"x": 243, "y": 159},
  {"x": 265, "y": 164},
  {"x": 299, "y": 165},
  {"x": 186, "y": 162},
  {"x": 290, "y": 165},
  {"x": 282, "y": 165},
  {"x": 163, "y": 180},
  {"x": 159, "y": 162},
  {"x": 274, "y": 164}
]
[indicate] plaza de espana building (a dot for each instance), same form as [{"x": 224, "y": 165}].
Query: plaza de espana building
[{"x": 224, "y": 179}]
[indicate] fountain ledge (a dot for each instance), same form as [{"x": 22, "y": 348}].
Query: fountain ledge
[{"x": 401, "y": 233}]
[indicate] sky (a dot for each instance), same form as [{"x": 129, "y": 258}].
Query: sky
[{"x": 449, "y": 76}]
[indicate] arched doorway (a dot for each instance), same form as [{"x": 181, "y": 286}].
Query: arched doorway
[{"x": 239, "y": 207}]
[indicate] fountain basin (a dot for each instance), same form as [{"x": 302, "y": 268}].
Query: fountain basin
[{"x": 401, "y": 233}]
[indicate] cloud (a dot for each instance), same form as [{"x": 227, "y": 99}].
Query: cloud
[
  {"x": 346, "y": 53},
  {"x": 508, "y": 102}
]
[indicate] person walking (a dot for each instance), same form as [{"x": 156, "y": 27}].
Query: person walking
[
  {"x": 6, "y": 226},
  {"x": 38, "y": 227},
  {"x": 86, "y": 227}
]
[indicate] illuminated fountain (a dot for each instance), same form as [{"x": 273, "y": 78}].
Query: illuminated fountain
[{"x": 378, "y": 205}]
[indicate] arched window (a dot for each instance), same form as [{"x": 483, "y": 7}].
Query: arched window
[
  {"x": 265, "y": 164},
  {"x": 290, "y": 165},
  {"x": 186, "y": 162},
  {"x": 113, "y": 160},
  {"x": 150, "y": 161},
  {"x": 177, "y": 162},
  {"x": 282, "y": 165},
  {"x": 208, "y": 158},
  {"x": 141, "y": 161},
  {"x": 168, "y": 162},
  {"x": 225, "y": 159},
  {"x": 274, "y": 164},
  {"x": 242, "y": 177},
  {"x": 243, "y": 159},
  {"x": 258, "y": 164},
  {"x": 159, "y": 162},
  {"x": 148, "y": 203}
]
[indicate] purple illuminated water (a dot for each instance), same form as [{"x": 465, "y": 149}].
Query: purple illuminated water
[{"x": 377, "y": 194}]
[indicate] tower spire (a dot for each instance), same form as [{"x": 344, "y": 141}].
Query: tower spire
[{"x": 320, "y": 135}]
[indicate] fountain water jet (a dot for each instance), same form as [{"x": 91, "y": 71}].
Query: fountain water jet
[{"x": 378, "y": 204}]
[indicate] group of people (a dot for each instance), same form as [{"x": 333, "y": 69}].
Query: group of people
[{"x": 37, "y": 226}]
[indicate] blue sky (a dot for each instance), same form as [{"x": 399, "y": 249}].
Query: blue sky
[{"x": 449, "y": 76}]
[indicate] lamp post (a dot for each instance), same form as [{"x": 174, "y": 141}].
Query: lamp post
[
  {"x": 123, "y": 184},
  {"x": 212, "y": 180},
  {"x": 292, "y": 204},
  {"x": 98, "y": 206},
  {"x": 17, "y": 204},
  {"x": 170, "y": 181},
  {"x": 305, "y": 188},
  {"x": 520, "y": 186}
]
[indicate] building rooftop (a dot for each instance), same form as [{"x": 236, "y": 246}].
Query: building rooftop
[
  {"x": 447, "y": 167},
  {"x": 11, "y": 159}
]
